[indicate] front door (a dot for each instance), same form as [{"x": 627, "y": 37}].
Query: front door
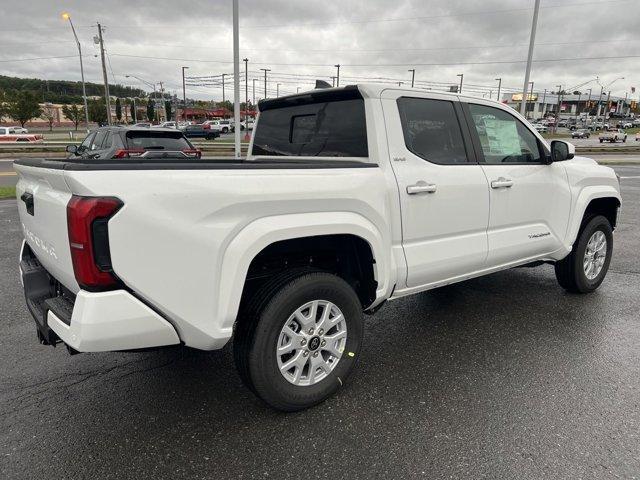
[
  {"x": 444, "y": 194},
  {"x": 530, "y": 198}
]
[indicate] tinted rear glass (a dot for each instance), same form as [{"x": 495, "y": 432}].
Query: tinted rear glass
[
  {"x": 335, "y": 128},
  {"x": 173, "y": 141}
]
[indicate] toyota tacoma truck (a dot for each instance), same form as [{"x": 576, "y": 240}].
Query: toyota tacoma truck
[{"x": 348, "y": 198}]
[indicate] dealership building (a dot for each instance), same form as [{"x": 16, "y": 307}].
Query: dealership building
[{"x": 541, "y": 104}]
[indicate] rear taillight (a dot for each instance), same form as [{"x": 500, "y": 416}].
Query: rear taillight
[
  {"x": 87, "y": 219},
  {"x": 192, "y": 152},
  {"x": 131, "y": 152}
]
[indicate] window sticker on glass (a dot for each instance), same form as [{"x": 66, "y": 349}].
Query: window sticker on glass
[{"x": 502, "y": 136}]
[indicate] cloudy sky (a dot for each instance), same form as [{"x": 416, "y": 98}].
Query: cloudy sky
[{"x": 300, "y": 40}]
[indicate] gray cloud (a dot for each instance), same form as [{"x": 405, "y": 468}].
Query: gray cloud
[{"x": 307, "y": 38}]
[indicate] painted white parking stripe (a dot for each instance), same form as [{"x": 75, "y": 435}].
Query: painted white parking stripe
[{"x": 633, "y": 176}]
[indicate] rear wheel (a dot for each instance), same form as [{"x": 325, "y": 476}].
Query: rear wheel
[
  {"x": 584, "y": 269},
  {"x": 298, "y": 338}
]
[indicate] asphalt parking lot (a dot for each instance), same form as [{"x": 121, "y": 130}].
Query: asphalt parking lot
[{"x": 505, "y": 376}]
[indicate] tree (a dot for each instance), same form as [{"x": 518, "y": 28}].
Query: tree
[
  {"x": 97, "y": 111},
  {"x": 132, "y": 109},
  {"x": 3, "y": 107},
  {"x": 118, "y": 109},
  {"x": 167, "y": 109},
  {"x": 73, "y": 113},
  {"x": 151, "y": 110},
  {"x": 24, "y": 107},
  {"x": 49, "y": 114}
]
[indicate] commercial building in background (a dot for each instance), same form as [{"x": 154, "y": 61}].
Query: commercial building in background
[{"x": 540, "y": 105}]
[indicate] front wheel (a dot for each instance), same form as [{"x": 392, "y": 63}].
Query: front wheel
[
  {"x": 298, "y": 338},
  {"x": 584, "y": 269}
]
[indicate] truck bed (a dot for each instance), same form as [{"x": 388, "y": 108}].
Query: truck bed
[{"x": 222, "y": 163}]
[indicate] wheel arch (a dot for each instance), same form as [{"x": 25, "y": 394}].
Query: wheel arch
[
  {"x": 263, "y": 233},
  {"x": 593, "y": 201}
]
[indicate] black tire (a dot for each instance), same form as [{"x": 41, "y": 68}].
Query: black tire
[
  {"x": 601, "y": 140},
  {"x": 225, "y": 130},
  {"x": 570, "y": 272},
  {"x": 260, "y": 323}
]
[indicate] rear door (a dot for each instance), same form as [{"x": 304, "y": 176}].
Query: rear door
[
  {"x": 42, "y": 205},
  {"x": 444, "y": 194},
  {"x": 530, "y": 199}
]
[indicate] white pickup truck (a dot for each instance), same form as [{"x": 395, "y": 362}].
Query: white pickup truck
[{"x": 349, "y": 197}]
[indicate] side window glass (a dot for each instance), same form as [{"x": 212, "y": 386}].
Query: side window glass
[
  {"x": 107, "y": 141},
  {"x": 504, "y": 138},
  {"x": 432, "y": 131},
  {"x": 98, "y": 139},
  {"x": 86, "y": 143}
]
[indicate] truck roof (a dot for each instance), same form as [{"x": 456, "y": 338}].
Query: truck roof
[{"x": 366, "y": 90}]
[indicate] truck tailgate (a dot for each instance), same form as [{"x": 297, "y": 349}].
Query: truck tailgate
[{"x": 43, "y": 195}]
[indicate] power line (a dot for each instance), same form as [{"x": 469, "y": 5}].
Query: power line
[
  {"x": 432, "y": 64},
  {"x": 39, "y": 58}
]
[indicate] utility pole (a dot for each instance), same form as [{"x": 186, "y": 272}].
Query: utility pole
[
  {"x": 599, "y": 103},
  {"x": 499, "y": 85},
  {"x": 236, "y": 79},
  {"x": 578, "y": 107},
  {"x": 254, "y": 91},
  {"x": 104, "y": 75},
  {"x": 544, "y": 103},
  {"x": 333, "y": 81},
  {"x": 337, "y": 75},
  {"x": 461, "y": 75},
  {"x": 246, "y": 84},
  {"x": 66, "y": 16},
  {"x": 277, "y": 89},
  {"x": 604, "y": 118},
  {"x": 555, "y": 124},
  {"x": 265, "y": 80},
  {"x": 534, "y": 103},
  {"x": 413, "y": 75},
  {"x": 223, "y": 96},
  {"x": 184, "y": 96},
  {"x": 532, "y": 41},
  {"x": 589, "y": 104}
]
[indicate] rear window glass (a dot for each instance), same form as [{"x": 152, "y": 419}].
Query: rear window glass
[
  {"x": 323, "y": 129},
  {"x": 173, "y": 141}
]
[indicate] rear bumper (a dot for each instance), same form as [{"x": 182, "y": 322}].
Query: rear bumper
[{"x": 90, "y": 321}]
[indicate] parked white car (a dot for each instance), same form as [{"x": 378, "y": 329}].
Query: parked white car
[
  {"x": 222, "y": 126},
  {"x": 19, "y": 130},
  {"x": 613, "y": 135},
  {"x": 332, "y": 214}
]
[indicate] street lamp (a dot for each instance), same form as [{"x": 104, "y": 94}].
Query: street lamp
[
  {"x": 66, "y": 16},
  {"x": 461, "y": 75},
  {"x": 499, "y": 85},
  {"x": 337, "y": 75}
]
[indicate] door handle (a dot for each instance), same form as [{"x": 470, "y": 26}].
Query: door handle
[
  {"x": 502, "y": 183},
  {"x": 421, "y": 187}
]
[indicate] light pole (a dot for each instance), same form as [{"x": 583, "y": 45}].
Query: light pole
[
  {"x": 223, "y": 96},
  {"x": 532, "y": 41},
  {"x": 413, "y": 75},
  {"x": 66, "y": 16},
  {"x": 236, "y": 79},
  {"x": 337, "y": 75},
  {"x": 461, "y": 75},
  {"x": 297, "y": 89},
  {"x": 555, "y": 125},
  {"x": 499, "y": 85},
  {"x": 277, "y": 90},
  {"x": 265, "y": 70},
  {"x": 333, "y": 81},
  {"x": 589, "y": 104},
  {"x": 184, "y": 96},
  {"x": 254, "y": 91},
  {"x": 534, "y": 103},
  {"x": 246, "y": 83}
]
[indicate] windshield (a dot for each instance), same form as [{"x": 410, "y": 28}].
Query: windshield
[{"x": 173, "y": 141}]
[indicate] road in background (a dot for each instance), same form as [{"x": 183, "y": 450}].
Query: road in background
[{"x": 505, "y": 376}]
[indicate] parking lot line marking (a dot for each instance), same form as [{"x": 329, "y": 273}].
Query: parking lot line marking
[
  {"x": 633, "y": 176},
  {"x": 7, "y": 174}
]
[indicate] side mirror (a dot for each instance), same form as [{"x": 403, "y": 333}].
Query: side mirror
[
  {"x": 561, "y": 150},
  {"x": 72, "y": 149}
]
